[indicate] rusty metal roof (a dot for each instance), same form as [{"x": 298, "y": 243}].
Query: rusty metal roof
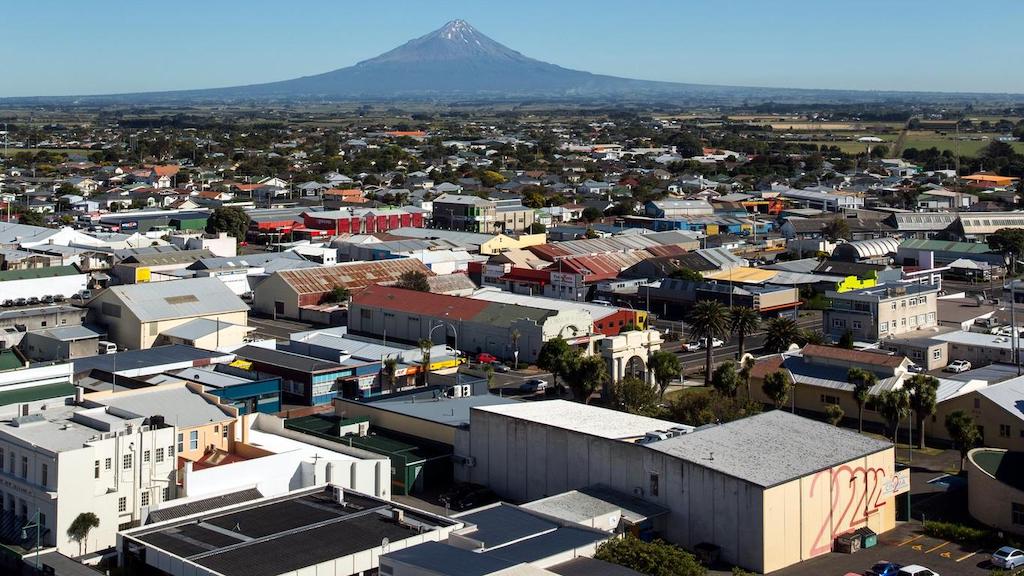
[{"x": 351, "y": 275}]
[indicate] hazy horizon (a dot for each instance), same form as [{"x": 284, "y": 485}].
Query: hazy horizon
[{"x": 115, "y": 47}]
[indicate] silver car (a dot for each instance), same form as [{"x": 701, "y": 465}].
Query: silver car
[{"x": 1008, "y": 558}]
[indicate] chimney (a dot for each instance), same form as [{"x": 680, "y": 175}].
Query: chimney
[{"x": 79, "y": 394}]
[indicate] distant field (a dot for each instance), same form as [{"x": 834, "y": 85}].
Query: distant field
[
  {"x": 922, "y": 139},
  {"x": 13, "y": 151},
  {"x": 849, "y": 147}
]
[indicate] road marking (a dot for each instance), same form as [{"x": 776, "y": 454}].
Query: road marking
[
  {"x": 965, "y": 557},
  {"x": 909, "y": 541},
  {"x": 930, "y": 550},
  {"x": 946, "y": 554},
  {"x": 917, "y": 547}
]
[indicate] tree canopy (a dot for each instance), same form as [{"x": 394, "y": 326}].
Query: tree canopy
[
  {"x": 413, "y": 280},
  {"x": 230, "y": 219},
  {"x": 81, "y": 526},
  {"x": 635, "y": 396},
  {"x": 656, "y": 558}
]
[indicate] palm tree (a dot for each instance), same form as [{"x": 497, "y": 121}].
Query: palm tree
[
  {"x": 780, "y": 334},
  {"x": 745, "y": 367},
  {"x": 743, "y": 321},
  {"x": 964, "y": 433},
  {"x": 893, "y": 405},
  {"x": 425, "y": 346},
  {"x": 708, "y": 320},
  {"x": 862, "y": 381},
  {"x": 514, "y": 336},
  {"x": 923, "y": 390},
  {"x": 390, "y": 372}
]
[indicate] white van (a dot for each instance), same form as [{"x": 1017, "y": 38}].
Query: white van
[{"x": 106, "y": 347}]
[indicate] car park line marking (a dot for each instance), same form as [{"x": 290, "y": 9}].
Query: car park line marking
[
  {"x": 965, "y": 557},
  {"x": 909, "y": 541},
  {"x": 946, "y": 554},
  {"x": 930, "y": 550}
]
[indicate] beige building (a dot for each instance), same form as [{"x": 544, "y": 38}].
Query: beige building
[
  {"x": 475, "y": 214},
  {"x": 995, "y": 488},
  {"x": 771, "y": 490},
  {"x": 881, "y": 311},
  {"x": 136, "y": 315}
]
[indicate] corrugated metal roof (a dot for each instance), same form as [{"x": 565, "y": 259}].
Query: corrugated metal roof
[
  {"x": 425, "y": 303},
  {"x": 351, "y": 275},
  {"x": 176, "y": 299}
]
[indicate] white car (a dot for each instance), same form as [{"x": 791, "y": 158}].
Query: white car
[
  {"x": 916, "y": 570},
  {"x": 1008, "y": 558},
  {"x": 716, "y": 343},
  {"x": 693, "y": 346},
  {"x": 958, "y": 366}
]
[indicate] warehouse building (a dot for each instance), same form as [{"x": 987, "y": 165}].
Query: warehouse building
[
  {"x": 770, "y": 490},
  {"x": 290, "y": 293},
  {"x": 322, "y": 530}
]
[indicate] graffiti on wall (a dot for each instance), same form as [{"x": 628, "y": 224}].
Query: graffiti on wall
[{"x": 857, "y": 494}]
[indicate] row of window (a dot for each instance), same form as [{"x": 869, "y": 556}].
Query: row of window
[
  {"x": 128, "y": 459},
  {"x": 12, "y": 468},
  {"x": 8, "y": 505}
]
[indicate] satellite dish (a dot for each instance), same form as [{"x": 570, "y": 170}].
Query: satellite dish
[{"x": 384, "y": 543}]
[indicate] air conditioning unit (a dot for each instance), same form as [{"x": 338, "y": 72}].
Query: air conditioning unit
[
  {"x": 339, "y": 494},
  {"x": 456, "y": 392},
  {"x": 467, "y": 390}
]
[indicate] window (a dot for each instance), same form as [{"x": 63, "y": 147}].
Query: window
[
  {"x": 829, "y": 399},
  {"x": 654, "y": 483},
  {"x": 126, "y": 461},
  {"x": 10, "y": 463},
  {"x": 166, "y": 495},
  {"x": 159, "y": 455},
  {"x": 883, "y": 327},
  {"x": 44, "y": 474},
  {"x": 106, "y": 464},
  {"x": 1004, "y": 430},
  {"x": 193, "y": 440},
  {"x": 856, "y": 324},
  {"x": 145, "y": 499},
  {"x": 181, "y": 442},
  {"x": 122, "y": 504},
  {"x": 838, "y": 323},
  {"x": 1017, "y": 516},
  {"x": 1, "y": 456},
  {"x": 145, "y": 455},
  {"x": 170, "y": 451},
  {"x": 977, "y": 403},
  {"x": 937, "y": 354},
  {"x": 24, "y": 466},
  {"x": 224, "y": 433},
  {"x": 96, "y": 470}
]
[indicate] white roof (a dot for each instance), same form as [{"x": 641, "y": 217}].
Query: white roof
[
  {"x": 582, "y": 418},
  {"x": 490, "y": 294}
]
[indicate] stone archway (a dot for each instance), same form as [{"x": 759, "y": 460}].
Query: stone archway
[{"x": 635, "y": 368}]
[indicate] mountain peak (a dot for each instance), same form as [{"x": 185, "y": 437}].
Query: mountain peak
[{"x": 455, "y": 41}]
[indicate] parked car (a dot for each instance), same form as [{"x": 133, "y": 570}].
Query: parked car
[
  {"x": 717, "y": 343},
  {"x": 693, "y": 346},
  {"x": 883, "y": 568},
  {"x": 500, "y": 367},
  {"x": 485, "y": 358},
  {"x": 1008, "y": 558},
  {"x": 958, "y": 366},
  {"x": 916, "y": 570},
  {"x": 21, "y": 302},
  {"x": 533, "y": 385},
  {"x": 465, "y": 496},
  {"x": 33, "y": 300},
  {"x": 916, "y": 369},
  {"x": 8, "y": 303}
]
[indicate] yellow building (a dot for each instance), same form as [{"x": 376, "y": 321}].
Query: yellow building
[{"x": 136, "y": 315}]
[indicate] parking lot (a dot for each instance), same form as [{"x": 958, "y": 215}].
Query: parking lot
[{"x": 904, "y": 545}]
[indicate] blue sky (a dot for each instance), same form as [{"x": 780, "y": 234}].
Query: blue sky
[{"x": 60, "y": 47}]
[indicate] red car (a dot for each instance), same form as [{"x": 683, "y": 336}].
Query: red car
[{"x": 485, "y": 358}]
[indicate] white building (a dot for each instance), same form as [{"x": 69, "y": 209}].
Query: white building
[{"x": 63, "y": 461}]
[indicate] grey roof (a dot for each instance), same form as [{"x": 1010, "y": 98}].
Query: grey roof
[
  {"x": 504, "y": 523},
  {"x": 131, "y": 360},
  {"x": 203, "y": 505},
  {"x": 11, "y": 233},
  {"x": 196, "y": 328},
  {"x": 560, "y": 541},
  {"x": 770, "y": 448},
  {"x": 584, "y": 566},
  {"x": 1007, "y": 395},
  {"x": 447, "y": 411},
  {"x": 448, "y": 560},
  {"x": 830, "y": 376},
  {"x": 173, "y": 299},
  {"x": 586, "y": 503},
  {"x": 177, "y": 404},
  {"x": 289, "y": 360},
  {"x": 69, "y": 333}
]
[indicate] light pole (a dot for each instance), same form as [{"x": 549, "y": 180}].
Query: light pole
[{"x": 24, "y": 534}]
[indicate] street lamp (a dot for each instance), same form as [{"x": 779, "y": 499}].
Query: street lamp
[{"x": 24, "y": 534}]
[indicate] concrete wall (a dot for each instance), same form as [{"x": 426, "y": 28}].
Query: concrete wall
[
  {"x": 398, "y": 422},
  {"x": 989, "y": 500}
]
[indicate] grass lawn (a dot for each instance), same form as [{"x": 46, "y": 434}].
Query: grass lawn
[
  {"x": 923, "y": 139},
  {"x": 671, "y": 395}
]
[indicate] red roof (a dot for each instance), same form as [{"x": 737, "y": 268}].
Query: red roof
[
  {"x": 425, "y": 303},
  {"x": 858, "y": 356}
]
